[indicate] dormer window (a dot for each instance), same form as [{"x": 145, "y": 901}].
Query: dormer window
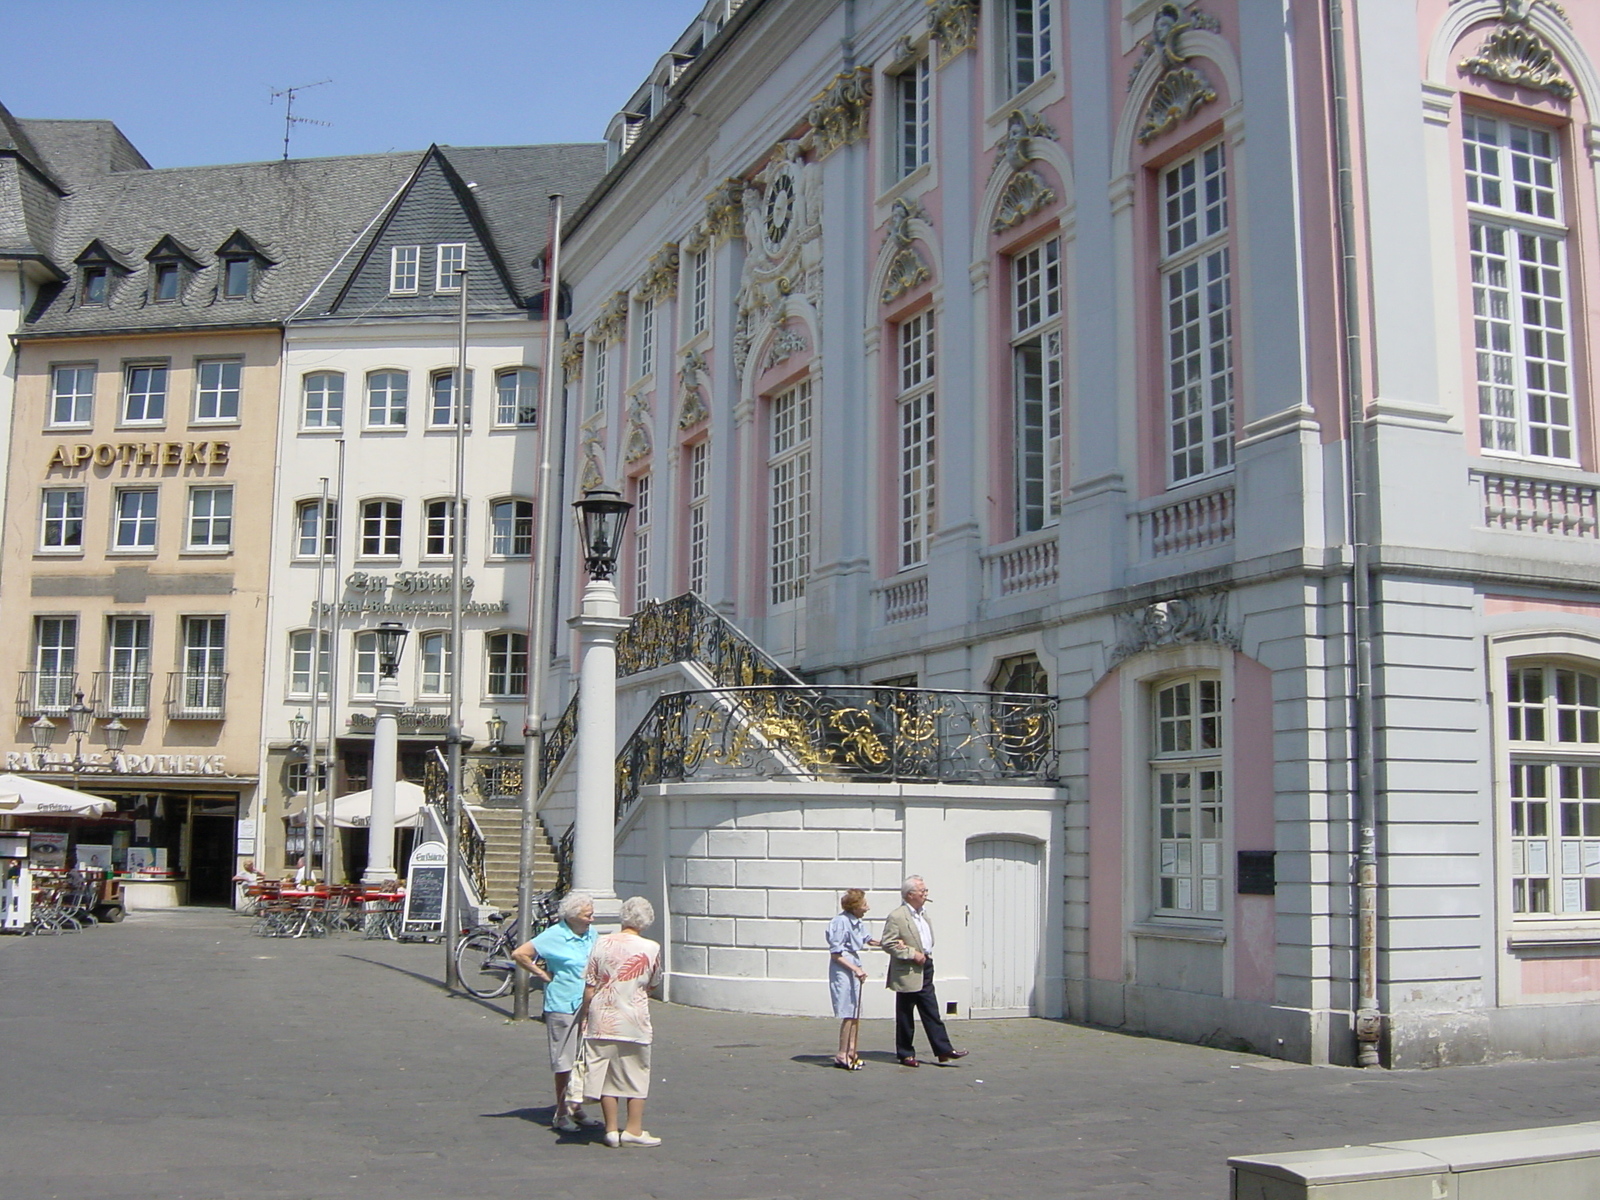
[
  {"x": 96, "y": 285},
  {"x": 165, "y": 285},
  {"x": 240, "y": 263},
  {"x": 237, "y": 275},
  {"x": 171, "y": 265}
]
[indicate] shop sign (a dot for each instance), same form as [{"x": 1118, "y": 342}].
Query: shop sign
[
  {"x": 408, "y": 718},
  {"x": 119, "y": 764},
  {"x": 140, "y": 454},
  {"x": 410, "y": 592}
]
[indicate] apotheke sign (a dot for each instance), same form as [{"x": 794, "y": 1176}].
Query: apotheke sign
[
  {"x": 141, "y": 454},
  {"x": 120, "y": 764}
]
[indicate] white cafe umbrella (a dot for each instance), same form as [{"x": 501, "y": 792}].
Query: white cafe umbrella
[
  {"x": 355, "y": 810},
  {"x": 24, "y": 797}
]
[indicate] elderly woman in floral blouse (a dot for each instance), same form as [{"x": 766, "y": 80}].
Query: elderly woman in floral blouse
[{"x": 623, "y": 967}]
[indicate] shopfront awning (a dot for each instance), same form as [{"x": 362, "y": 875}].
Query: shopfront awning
[
  {"x": 24, "y": 797},
  {"x": 355, "y": 810}
]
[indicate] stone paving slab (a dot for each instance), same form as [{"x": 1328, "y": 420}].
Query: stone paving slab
[{"x": 174, "y": 1056}]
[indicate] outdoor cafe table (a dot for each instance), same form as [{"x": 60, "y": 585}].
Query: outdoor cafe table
[{"x": 381, "y": 914}]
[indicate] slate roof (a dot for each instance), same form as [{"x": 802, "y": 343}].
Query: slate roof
[
  {"x": 493, "y": 197},
  {"x": 30, "y": 193},
  {"x": 82, "y": 152},
  {"x": 302, "y": 213}
]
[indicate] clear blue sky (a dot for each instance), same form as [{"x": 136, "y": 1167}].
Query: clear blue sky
[{"x": 189, "y": 80}]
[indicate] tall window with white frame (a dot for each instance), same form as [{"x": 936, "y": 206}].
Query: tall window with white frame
[
  {"x": 1553, "y": 726},
  {"x": 380, "y": 529},
  {"x": 306, "y": 520},
  {"x": 511, "y": 529},
  {"x": 641, "y": 540},
  {"x": 205, "y": 678},
  {"x": 439, "y": 528},
  {"x": 404, "y": 262},
  {"x": 365, "y": 665},
  {"x": 451, "y": 258},
  {"x": 300, "y": 664},
  {"x": 699, "y": 492},
  {"x": 387, "y": 394},
  {"x": 1197, "y": 289},
  {"x": 599, "y": 353},
  {"x": 443, "y": 414},
  {"x": 1519, "y": 289},
  {"x": 645, "y": 337},
  {"x": 127, "y": 690},
  {"x": 789, "y": 483},
  {"x": 516, "y": 393},
  {"x": 323, "y": 406},
  {"x": 1188, "y": 797},
  {"x": 913, "y": 118},
  {"x": 1029, "y": 42},
  {"x": 72, "y": 395},
  {"x": 55, "y": 662},
  {"x": 144, "y": 395},
  {"x": 915, "y": 413},
  {"x": 135, "y": 527},
  {"x": 508, "y": 664},
  {"x": 699, "y": 299},
  {"x": 1037, "y": 381},
  {"x": 434, "y": 664}
]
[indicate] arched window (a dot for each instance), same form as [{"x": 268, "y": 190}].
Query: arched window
[
  {"x": 511, "y": 528},
  {"x": 507, "y": 674},
  {"x": 387, "y": 395},
  {"x": 1187, "y": 795},
  {"x": 323, "y": 406}
]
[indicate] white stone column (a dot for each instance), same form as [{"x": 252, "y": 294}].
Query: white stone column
[
  {"x": 385, "y": 751},
  {"x": 594, "y": 839}
]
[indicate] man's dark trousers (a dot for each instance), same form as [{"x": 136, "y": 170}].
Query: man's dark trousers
[{"x": 926, "y": 1002}]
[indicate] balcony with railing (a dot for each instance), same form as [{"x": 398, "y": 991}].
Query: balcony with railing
[
  {"x": 1529, "y": 504},
  {"x": 45, "y": 693},
  {"x": 1191, "y": 522},
  {"x": 830, "y": 733},
  {"x": 121, "y": 694},
  {"x": 197, "y": 695},
  {"x": 1026, "y": 565}
]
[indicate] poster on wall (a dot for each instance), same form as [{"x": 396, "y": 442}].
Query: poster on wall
[
  {"x": 141, "y": 858},
  {"x": 94, "y": 857},
  {"x": 48, "y": 851}
]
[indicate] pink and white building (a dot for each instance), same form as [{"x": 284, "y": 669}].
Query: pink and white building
[{"x": 1224, "y": 371}]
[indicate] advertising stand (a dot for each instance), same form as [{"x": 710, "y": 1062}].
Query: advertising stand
[{"x": 16, "y": 883}]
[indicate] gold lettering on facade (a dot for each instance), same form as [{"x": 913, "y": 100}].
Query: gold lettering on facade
[
  {"x": 196, "y": 453},
  {"x": 139, "y": 454},
  {"x": 148, "y": 452},
  {"x": 219, "y": 454},
  {"x": 105, "y": 454},
  {"x": 58, "y": 457}
]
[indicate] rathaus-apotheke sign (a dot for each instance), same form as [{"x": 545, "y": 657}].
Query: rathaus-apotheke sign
[{"x": 410, "y": 592}]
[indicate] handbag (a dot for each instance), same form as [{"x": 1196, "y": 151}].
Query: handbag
[{"x": 586, "y": 1070}]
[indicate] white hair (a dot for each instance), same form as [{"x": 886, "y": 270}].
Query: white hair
[
  {"x": 637, "y": 913},
  {"x": 909, "y": 885},
  {"x": 573, "y": 903}
]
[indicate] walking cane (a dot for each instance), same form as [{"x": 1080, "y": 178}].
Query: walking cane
[{"x": 855, "y": 1055}]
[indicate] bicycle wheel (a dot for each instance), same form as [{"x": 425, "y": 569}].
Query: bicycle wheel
[{"x": 484, "y": 965}]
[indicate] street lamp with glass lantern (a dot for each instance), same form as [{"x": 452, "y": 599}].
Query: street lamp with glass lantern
[
  {"x": 298, "y": 728},
  {"x": 496, "y": 725},
  {"x": 391, "y": 639},
  {"x": 602, "y": 516}
]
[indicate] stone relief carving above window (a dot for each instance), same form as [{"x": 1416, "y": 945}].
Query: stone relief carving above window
[
  {"x": 838, "y": 114},
  {"x": 613, "y": 319},
  {"x": 954, "y": 25},
  {"x": 1025, "y": 192},
  {"x": 782, "y": 275},
  {"x": 593, "y": 474},
  {"x": 638, "y": 444},
  {"x": 572, "y": 354},
  {"x": 1180, "y": 89},
  {"x": 907, "y": 267},
  {"x": 660, "y": 279},
  {"x": 1515, "y": 54},
  {"x": 786, "y": 343},
  {"x": 1180, "y": 622},
  {"x": 691, "y": 390},
  {"x": 725, "y": 212}
]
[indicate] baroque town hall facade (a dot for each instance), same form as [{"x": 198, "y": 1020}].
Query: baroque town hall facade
[{"x": 1130, "y": 463}]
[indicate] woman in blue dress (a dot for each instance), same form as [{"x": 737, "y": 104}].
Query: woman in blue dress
[{"x": 847, "y": 936}]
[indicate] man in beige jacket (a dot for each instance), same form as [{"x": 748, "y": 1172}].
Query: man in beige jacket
[{"x": 908, "y": 937}]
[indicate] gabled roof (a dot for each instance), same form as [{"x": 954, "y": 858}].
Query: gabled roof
[
  {"x": 97, "y": 252},
  {"x": 169, "y": 248},
  {"x": 82, "y": 152},
  {"x": 495, "y": 199}
]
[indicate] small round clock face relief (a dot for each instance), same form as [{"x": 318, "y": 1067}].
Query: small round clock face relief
[{"x": 780, "y": 209}]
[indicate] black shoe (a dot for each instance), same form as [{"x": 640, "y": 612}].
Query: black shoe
[
  {"x": 953, "y": 1055},
  {"x": 909, "y": 1062}
]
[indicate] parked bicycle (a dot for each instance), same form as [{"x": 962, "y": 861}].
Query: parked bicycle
[{"x": 483, "y": 955}]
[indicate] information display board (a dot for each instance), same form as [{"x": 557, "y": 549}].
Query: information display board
[{"x": 425, "y": 884}]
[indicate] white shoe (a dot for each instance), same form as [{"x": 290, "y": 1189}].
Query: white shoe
[
  {"x": 613, "y": 1138},
  {"x": 643, "y": 1139}
]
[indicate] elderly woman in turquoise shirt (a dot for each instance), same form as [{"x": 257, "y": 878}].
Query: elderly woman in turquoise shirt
[{"x": 564, "y": 950}]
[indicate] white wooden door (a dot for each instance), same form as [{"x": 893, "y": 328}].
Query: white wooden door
[{"x": 1003, "y": 881}]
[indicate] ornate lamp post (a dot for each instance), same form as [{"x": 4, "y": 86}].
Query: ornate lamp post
[
  {"x": 80, "y": 719},
  {"x": 391, "y": 637},
  {"x": 602, "y": 516},
  {"x": 298, "y": 728}
]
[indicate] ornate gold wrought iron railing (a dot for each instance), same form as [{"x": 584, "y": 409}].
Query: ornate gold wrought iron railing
[
  {"x": 436, "y": 791},
  {"x": 870, "y": 733}
]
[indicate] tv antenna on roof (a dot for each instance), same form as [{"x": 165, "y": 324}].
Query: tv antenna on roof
[{"x": 289, "y": 119}]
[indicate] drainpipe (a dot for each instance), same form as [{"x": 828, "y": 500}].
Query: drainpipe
[{"x": 1362, "y": 475}]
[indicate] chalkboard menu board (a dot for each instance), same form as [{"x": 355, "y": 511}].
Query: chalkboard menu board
[{"x": 425, "y": 884}]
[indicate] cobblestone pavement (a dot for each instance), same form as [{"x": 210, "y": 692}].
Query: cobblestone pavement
[{"x": 175, "y": 1056}]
